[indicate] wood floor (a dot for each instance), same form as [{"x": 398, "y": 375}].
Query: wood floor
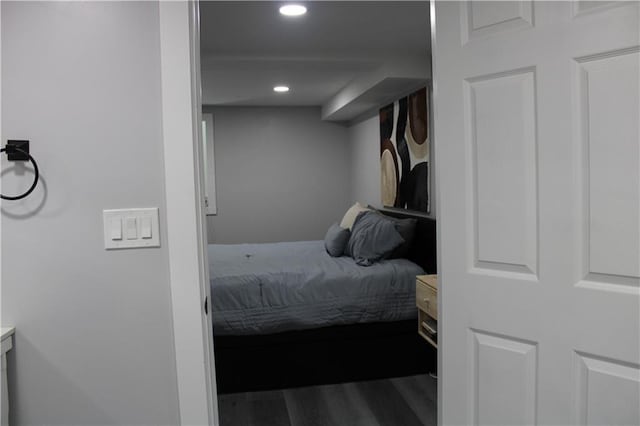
[{"x": 402, "y": 401}]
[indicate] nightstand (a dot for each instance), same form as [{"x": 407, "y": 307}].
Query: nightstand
[{"x": 427, "y": 303}]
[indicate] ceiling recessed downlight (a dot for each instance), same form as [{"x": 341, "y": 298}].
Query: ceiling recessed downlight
[
  {"x": 293, "y": 10},
  {"x": 281, "y": 89}
]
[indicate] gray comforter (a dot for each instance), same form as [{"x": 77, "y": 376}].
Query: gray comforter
[{"x": 269, "y": 288}]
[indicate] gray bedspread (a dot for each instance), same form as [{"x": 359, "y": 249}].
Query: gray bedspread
[{"x": 270, "y": 288}]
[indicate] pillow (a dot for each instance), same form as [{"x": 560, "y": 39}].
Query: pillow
[
  {"x": 406, "y": 228},
  {"x": 351, "y": 214},
  {"x": 347, "y": 249},
  {"x": 336, "y": 240},
  {"x": 373, "y": 238}
]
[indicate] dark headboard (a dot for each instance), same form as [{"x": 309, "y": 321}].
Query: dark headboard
[{"x": 423, "y": 248}]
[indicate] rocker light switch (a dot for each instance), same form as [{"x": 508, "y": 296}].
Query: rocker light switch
[
  {"x": 116, "y": 229},
  {"x": 130, "y": 228},
  {"x": 145, "y": 228}
]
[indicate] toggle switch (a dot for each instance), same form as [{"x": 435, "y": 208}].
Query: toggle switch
[{"x": 131, "y": 228}]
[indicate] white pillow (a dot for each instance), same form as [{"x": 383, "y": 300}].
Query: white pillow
[{"x": 351, "y": 214}]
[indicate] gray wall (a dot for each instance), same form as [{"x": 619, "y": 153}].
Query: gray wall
[
  {"x": 94, "y": 340},
  {"x": 281, "y": 174},
  {"x": 364, "y": 155}
]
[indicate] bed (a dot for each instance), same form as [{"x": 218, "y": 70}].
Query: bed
[
  {"x": 278, "y": 287},
  {"x": 288, "y": 314}
]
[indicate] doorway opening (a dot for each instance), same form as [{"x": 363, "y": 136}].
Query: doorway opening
[{"x": 322, "y": 133}]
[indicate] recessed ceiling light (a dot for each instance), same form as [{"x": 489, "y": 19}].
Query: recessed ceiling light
[
  {"x": 293, "y": 10},
  {"x": 281, "y": 89}
]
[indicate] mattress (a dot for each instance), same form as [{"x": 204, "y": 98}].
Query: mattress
[{"x": 276, "y": 287}]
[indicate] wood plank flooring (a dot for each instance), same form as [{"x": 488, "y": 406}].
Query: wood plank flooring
[{"x": 402, "y": 401}]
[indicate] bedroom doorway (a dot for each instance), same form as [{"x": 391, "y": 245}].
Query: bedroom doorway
[{"x": 314, "y": 318}]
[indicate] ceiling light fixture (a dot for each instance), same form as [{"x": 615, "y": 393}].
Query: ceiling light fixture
[
  {"x": 293, "y": 10},
  {"x": 281, "y": 89}
]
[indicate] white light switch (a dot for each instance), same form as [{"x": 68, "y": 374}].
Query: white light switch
[
  {"x": 130, "y": 228},
  {"x": 145, "y": 228},
  {"x": 116, "y": 229}
]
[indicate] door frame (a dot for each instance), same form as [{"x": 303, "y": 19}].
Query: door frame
[
  {"x": 185, "y": 211},
  {"x": 186, "y": 215},
  {"x": 436, "y": 187}
]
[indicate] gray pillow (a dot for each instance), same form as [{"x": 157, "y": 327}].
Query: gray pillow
[
  {"x": 407, "y": 229},
  {"x": 373, "y": 237},
  {"x": 336, "y": 240}
]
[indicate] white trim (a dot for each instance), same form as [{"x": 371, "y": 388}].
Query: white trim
[
  {"x": 201, "y": 222},
  {"x": 436, "y": 186},
  {"x": 0, "y": 144},
  {"x": 209, "y": 165},
  {"x": 179, "y": 44}
]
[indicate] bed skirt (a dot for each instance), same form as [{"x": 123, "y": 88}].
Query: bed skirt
[{"x": 326, "y": 355}]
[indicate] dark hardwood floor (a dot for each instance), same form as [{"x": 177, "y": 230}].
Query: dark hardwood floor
[{"x": 402, "y": 401}]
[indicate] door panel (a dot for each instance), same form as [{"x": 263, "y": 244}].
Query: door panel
[
  {"x": 504, "y": 379},
  {"x": 596, "y": 380},
  {"x": 485, "y": 18},
  {"x": 587, "y": 6},
  {"x": 608, "y": 105},
  {"x": 501, "y": 122},
  {"x": 537, "y": 145}
]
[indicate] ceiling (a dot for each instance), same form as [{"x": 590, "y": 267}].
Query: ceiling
[{"x": 247, "y": 48}]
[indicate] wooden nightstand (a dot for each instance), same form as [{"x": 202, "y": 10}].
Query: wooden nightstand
[{"x": 427, "y": 303}]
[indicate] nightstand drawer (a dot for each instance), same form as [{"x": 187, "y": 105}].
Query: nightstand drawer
[
  {"x": 428, "y": 328},
  {"x": 427, "y": 299}
]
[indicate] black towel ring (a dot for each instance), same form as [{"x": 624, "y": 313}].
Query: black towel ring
[{"x": 35, "y": 170}]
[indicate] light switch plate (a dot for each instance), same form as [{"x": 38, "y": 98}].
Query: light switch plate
[{"x": 130, "y": 217}]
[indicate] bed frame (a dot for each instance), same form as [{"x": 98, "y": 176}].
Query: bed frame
[{"x": 333, "y": 354}]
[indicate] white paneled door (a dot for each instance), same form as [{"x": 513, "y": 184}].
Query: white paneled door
[{"x": 537, "y": 143}]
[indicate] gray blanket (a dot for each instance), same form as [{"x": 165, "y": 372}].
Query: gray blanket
[{"x": 270, "y": 288}]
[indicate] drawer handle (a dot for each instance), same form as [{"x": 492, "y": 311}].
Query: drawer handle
[{"x": 429, "y": 329}]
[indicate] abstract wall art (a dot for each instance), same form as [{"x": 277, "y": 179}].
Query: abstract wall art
[{"x": 404, "y": 153}]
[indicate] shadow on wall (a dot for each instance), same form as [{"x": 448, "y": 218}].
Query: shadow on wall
[{"x": 58, "y": 390}]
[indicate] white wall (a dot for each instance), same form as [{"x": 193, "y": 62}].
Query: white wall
[
  {"x": 94, "y": 340},
  {"x": 281, "y": 174}
]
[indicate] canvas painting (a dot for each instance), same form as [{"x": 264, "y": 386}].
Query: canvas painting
[{"x": 404, "y": 153}]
